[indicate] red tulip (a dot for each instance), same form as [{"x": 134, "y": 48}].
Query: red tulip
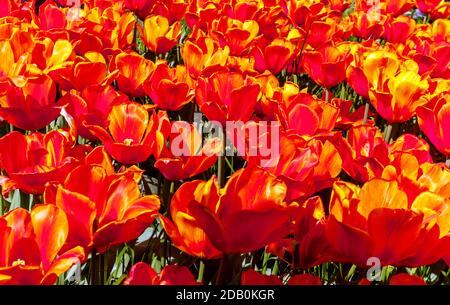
[
  {"x": 182, "y": 153},
  {"x": 399, "y": 29},
  {"x": 427, "y": 6},
  {"x": 406, "y": 279},
  {"x": 203, "y": 54},
  {"x": 158, "y": 35},
  {"x": 169, "y": 88},
  {"x": 134, "y": 70},
  {"x": 31, "y": 104},
  {"x": 209, "y": 221},
  {"x": 432, "y": 119},
  {"x": 305, "y": 279},
  {"x": 274, "y": 56},
  {"x": 129, "y": 136},
  {"x": 239, "y": 36},
  {"x": 38, "y": 159},
  {"x": 251, "y": 277},
  {"x": 103, "y": 209},
  {"x": 326, "y": 66},
  {"x": 30, "y": 246},
  {"x": 380, "y": 221},
  {"x": 220, "y": 96},
  {"x": 143, "y": 274},
  {"x": 92, "y": 107}
]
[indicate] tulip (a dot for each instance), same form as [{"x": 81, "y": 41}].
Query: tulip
[
  {"x": 368, "y": 25},
  {"x": 158, "y": 35},
  {"x": 208, "y": 221},
  {"x": 31, "y": 244},
  {"x": 30, "y": 105},
  {"x": 169, "y": 88},
  {"x": 396, "y": 97},
  {"x": 83, "y": 72},
  {"x": 220, "y": 96},
  {"x": 103, "y": 209},
  {"x": 134, "y": 70},
  {"x": 141, "y": 7},
  {"x": 365, "y": 70},
  {"x": 365, "y": 154},
  {"x": 274, "y": 56},
  {"x": 399, "y": 29},
  {"x": 173, "y": 10},
  {"x": 92, "y": 107},
  {"x": 432, "y": 119},
  {"x": 186, "y": 155},
  {"x": 202, "y": 55},
  {"x": 427, "y": 6},
  {"x": 380, "y": 221},
  {"x": 406, "y": 279},
  {"x": 326, "y": 66},
  {"x": 128, "y": 137},
  {"x": 37, "y": 159},
  {"x": 239, "y": 36},
  {"x": 143, "y": 274}
]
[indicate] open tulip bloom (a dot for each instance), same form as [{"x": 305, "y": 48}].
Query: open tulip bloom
[{"x": 186, "y": 142}]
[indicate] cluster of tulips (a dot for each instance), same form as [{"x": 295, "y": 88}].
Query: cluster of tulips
[{"x": 95, "y": 94}]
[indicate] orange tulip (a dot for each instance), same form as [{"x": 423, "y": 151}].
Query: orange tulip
[
  {"x": 209, "y": 221},
  {"x": 307, "y": 115},
  {"x": 427, "y": 6},
  {"x": 220, "y": 96},
  {"x": 309, "y": 246},
  {"x": 29, "y": 105},
  {"x": 103, "y": 209},
  {"x": 84, "y": 73},
  {"x": 239, "y": 36},
  {"x": 180, "y": 153},
  {"x": 326, "y": 66},
  {"x": 173, "y": 10},
  {"x": 134, "y": 70},
  {"x": 158, "y": 35},
  {"x": 367, "y": 25},
  {"x": 92, "y": 107},
  {"x": 399, "y": 29},
  {"x": 37, "y": 159},
  {"x": 129, "y": 136},
  {"x": 141, "y": 7},
  {"x": 143, "y": 274},
  {"x": 394, "y": 87},
  {"x": 169, "y": 88},
  {"x": 379, "y": 221},
  {"x": 202, "y": 55},
  {"x": 432, "y": 119},
  {"x": 31, "y": 243},
  {"x": 274, "y": 56}
]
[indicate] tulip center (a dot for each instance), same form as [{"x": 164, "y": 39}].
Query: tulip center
[
  {"x": 18, "y": 262},
  {"x": 128, "y": 141}
]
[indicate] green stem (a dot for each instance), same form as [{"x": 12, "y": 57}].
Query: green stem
[
  {"x": 265, "y": 261},
  {"x": 387, "y": 133},
  {"x": 201, "y": 271},
  {"x": 2, "y": 204},
  {"x": 221, "y": 162},
  {"x": 275, "y": 268},
  {"x": 366, "y": 113}
]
